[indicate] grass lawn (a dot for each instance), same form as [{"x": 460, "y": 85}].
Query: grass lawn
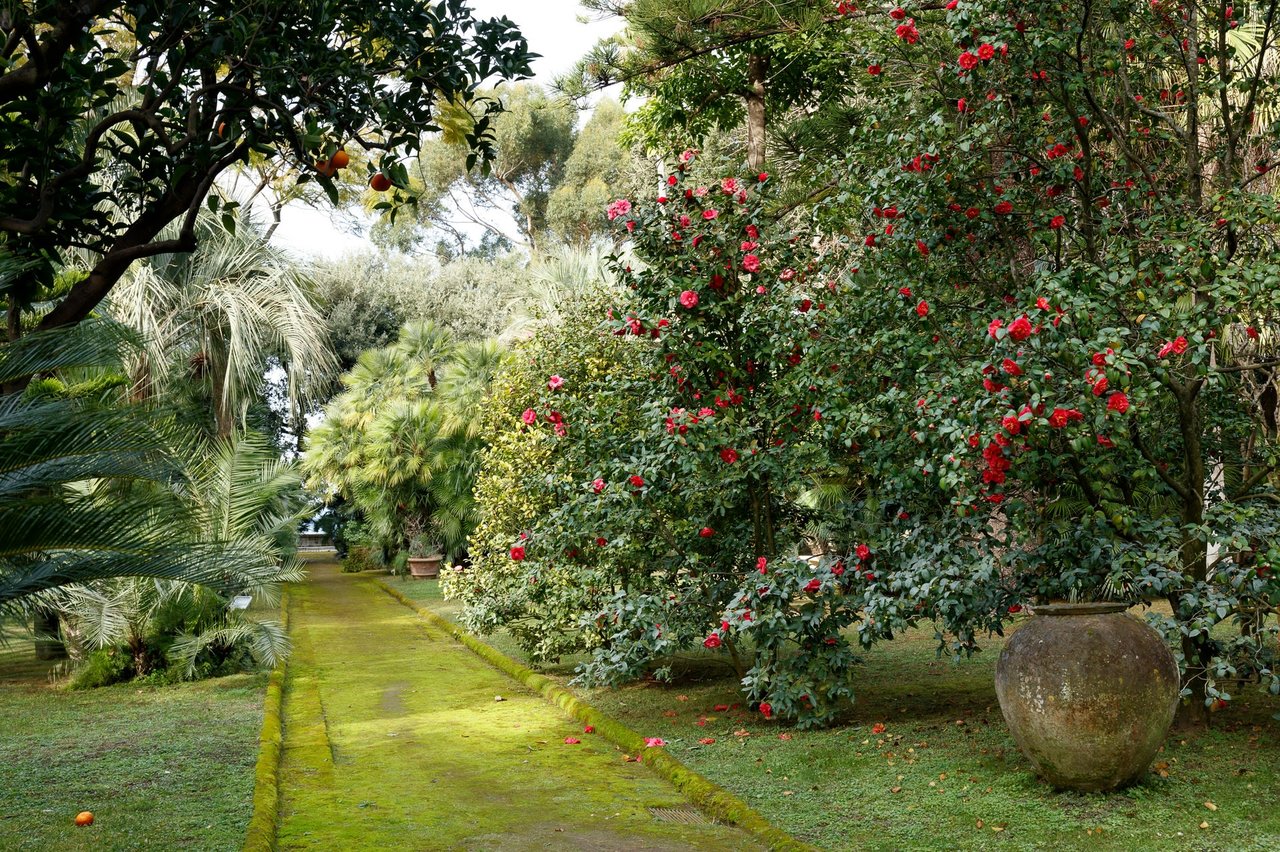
[
  {"x": 945, "y": 773},
  {"x": 161, "y": 767}
]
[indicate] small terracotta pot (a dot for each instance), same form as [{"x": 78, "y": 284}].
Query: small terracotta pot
[
  {"x": 425, "y": 567},
  {"x": 1088, "y": 692}
]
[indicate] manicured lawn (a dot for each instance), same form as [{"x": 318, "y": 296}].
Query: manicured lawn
[
  {"x": 161, "y": 767},
  {"x": 945, "y": 772}
]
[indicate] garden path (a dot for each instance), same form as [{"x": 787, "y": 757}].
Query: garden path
[{"x": 393, "y": 740}]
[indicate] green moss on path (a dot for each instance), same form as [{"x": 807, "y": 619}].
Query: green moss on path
[{"x": 393, "y": 740}]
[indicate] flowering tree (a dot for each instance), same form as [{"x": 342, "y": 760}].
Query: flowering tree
[{"x": 1068, "y": 288}]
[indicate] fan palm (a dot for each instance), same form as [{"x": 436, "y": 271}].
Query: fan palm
[{"x": 220, "y": 315}]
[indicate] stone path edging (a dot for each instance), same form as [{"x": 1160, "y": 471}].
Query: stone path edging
[
  {"x": 703, "y": 792},
  {"x": 261, "y": 836}
]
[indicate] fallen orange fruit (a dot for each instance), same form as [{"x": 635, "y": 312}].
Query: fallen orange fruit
[{"x": 84, "y": 818}]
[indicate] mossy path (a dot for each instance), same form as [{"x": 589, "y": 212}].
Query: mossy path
[{"x": 393, "y": 740}]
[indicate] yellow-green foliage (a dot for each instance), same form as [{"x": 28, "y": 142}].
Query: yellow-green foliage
[
  {"x": 261, "y": 836},
  {"x": 525, "y": 471}
]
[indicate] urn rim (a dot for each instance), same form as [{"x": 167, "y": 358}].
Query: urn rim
[{"x": 1098, "y": 608}]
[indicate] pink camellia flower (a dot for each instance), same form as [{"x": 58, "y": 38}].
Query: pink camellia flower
[
  {"x": 1020, "y": 329},
  {"x": 572, "y": 741},
  {"x": 517, "y": 553},
  {"x": 654, "y": 742},
  {"x": 621, "y": 207},
  {"x": 728, "y": 455},
  {"x": 555, "y": 383},
  {"x": 687, "y": 155},
  {"x": 766, "y": 709},
  {"x": 729, "y": 186},
  {"x": 597, "y": 485},
  {"x": 689, "y": 299},
  {"x": 706, "y": 532},
  {"x": 712, "y": 641},
  {"x": 589, "y": 729},
  {"x": 762, "y": 565},
  {"x": 751, "y": 263},
  {"x": 813, "y": 585},
  {"x": 529, "y": 416},
  {"x": 1118, "y": 402},
  {"x": 922, "y": 308},
  {"x": 995, "y": 326},
  {"x": 636, "y": 480},
  {"x": 710, "y": 214}
]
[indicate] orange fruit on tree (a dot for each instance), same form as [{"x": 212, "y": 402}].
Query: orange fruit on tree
[
  {"x": 84, "y": 818},
  {"x": 340, "y": 159},
  {"x": 380, "y": 182},
  {"x": 325, "y": 168}
]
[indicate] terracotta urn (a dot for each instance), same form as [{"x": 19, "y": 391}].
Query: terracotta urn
[
  {"x": 1088, "y": 692},
  {"x": 425, "y": 567}
]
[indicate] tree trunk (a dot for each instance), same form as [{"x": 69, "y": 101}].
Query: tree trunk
[{"x": 757, "y": 71}]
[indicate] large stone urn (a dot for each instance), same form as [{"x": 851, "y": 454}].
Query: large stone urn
[{"x": 1088, "y": 692}]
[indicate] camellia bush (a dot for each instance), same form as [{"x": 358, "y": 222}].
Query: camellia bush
[
  {"x": 661, "y": 450},
  {"x": 1066, "y": 301}
]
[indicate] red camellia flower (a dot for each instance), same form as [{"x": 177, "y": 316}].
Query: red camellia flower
[
  {"x": 1105, "y": 442},
  {"x": 766, "y": 709},
  {"x": 636, "y": 480},
  {"x": 1004, "y": 208},
  {"x": 878, "y": 728},
  {"x": 1014, "y": 609},
  {"x": 908, "y": 32},
  {"x": 922, "y": 247},
  {"x": 994, "y": 326},
  {"x": 1252, "y": 332},
  {"x": 904, "y": 292},
  {"x": 1118, "y": 402},
  {"x": 689, "y": 299},
  {"x": 1011, "y": 367},
  {"x": 601, "y": 541},
  {"x": 986, "y": 51},
  {"x": 762, "y": 565},
  {"x": 554, "y": 383},
  {"x": 1057, "y": 222},
  {"x": 862, "y": 552},
  {"x": 1100, "y": 386},
  {"x": 762, "y": 177},
  {"x": 517, "y": 553},
  {"x": 1011, "y": 424},
  {"x": 873, "y": 70},
  {"x": 751, "y": 263},
  {"x": 962, "y": 105},
  {"x": 898, "y": 14},
  {"x": 968, "y": 61},
  {"x": 597, "y": 485},
  {"x": 706, "y": 532},
  {"x": 1179, "y": 345},
  {"x": 1020, "y": 329},
  {"x": 922, "y": 308},
  {"x": 813, "y": 585},
  {"x": 706, "y": 741},
  {"x": 728, "y": 455},
  {"x": 972, "y": 213},
  {"x": 712, "y": 641},
  {"x": 1062, "y": 416},
  {"x": 589, "y": 729}
]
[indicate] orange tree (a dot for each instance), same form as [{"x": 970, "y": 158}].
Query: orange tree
[
  {"x": 1068, "y": 290},
  {"x": 118, "y": 118}
]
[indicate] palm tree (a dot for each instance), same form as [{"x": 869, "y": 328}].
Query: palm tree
[
  {"x": 242, "y": 493},
  {"x": 220, "y": 316},
  {"x": 91, "y": 488}
]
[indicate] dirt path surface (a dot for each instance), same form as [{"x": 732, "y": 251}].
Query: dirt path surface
[{"x": 393, "y": 740}]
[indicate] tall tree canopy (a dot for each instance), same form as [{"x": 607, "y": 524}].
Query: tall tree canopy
[{"x": 119, "y": 117}]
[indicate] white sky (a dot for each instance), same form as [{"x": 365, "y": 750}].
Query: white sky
[{"x": 553, "y": 30}]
